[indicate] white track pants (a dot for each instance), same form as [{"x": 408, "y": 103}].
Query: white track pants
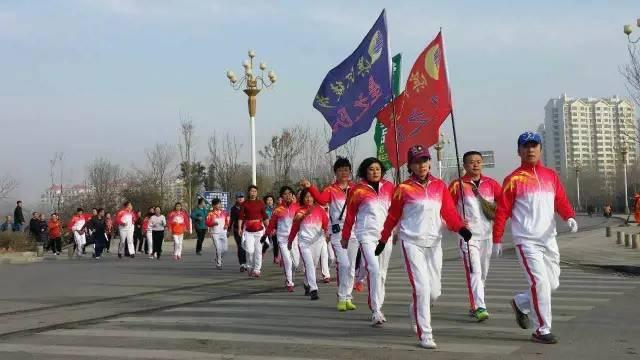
[
  {"x": 310, "y": 255},
  {"x": 126, "y": 238},
  {"x": 345, "y": 265},
  {"x": 149, "y": 237},
  {"x": 324, "y": 260},
  {"x": 177, "y": 244},
  {"x": 251, "y": 244},
  {"x": 80, "y": 240},
  {"x": 220, "y": 242},
  {"x": 290, "y": 259},
  {"x": 424, "y": 268},
  {"x": 480, "y": 251},
  {"x": 377, "y": 272},
  {"x": 541, "y": 264}
]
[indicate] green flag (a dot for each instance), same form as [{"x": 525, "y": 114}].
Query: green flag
[{"x": 381, "y": 131}]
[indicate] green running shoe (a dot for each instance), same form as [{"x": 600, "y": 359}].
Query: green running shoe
[{"x": 481, "y": 314}]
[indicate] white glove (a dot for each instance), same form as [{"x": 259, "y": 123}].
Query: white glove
[
  {"x": 496, "y": 249},
  {"x": 573, "y": 225}
]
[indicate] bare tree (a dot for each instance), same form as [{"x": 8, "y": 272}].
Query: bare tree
[
  {"x": 186, "y": 147},
  {"x": 225, "y": 169},
  {"x": 282, "y": 151},
  {"x": 105, "y": 179},
  {"x": 160, "y": 160},
  {"x": 314, "y": 162},
  {"x": 7, "y": 185},
  {"x": 631, "y": 72}
]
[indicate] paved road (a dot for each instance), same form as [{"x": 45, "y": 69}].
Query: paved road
[{"x": 231, "y": 317}]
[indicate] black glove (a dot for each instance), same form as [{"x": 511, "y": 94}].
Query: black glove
[
  {"x": 465, "y": 233},
  {"x": 263, "y": 239},
  {"x": 380, "y": 248}
]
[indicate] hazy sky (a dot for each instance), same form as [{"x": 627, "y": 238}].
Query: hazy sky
[{"x": 109, "y": 77}]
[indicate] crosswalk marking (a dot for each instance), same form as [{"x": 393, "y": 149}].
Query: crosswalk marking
[
  {"x": 344, "y": 343},
  {"x": 501, "y": 297}
]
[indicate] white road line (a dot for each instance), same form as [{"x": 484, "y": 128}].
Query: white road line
[
  {"x": 130, "y": 353},
  {"x": 257, "y": 338}
]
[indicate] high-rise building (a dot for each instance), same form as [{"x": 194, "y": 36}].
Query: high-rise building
[{"x": 590, "y": 132}]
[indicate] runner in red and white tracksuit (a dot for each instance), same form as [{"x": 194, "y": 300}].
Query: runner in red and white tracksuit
[
  {"x": 310, "y": 225},
  {"x": 77, "y": 225},
  {"x": 125, "y": 219},
  {"x": 280, "y": 225},
  {"x": 218, "y": 222},
  {"x": 253, "y": 221},
  {"x": 421, "y": 207},
  {"x": 367, "y": 207},
  {"x": 481, "y": 228},
  {"x": 335, "y": 196},
  {"x": 531, "y": 196},
  {"x": 178, "y": 222}
]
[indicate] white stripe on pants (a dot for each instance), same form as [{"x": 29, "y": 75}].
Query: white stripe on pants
[
  {"x": 290, "y": 259},
  {"x": 80, "y": 241},
  {"x": 177, "y": 244},
  {"x": 345, "y": 265},
  {"x": 220, "y": 242},
  {"x": 480, "y": 251},
  {"x": 424, "y": 268},
  {"x": 324, "y": 260},
  {"x": 310, "y": 255},
  {"x": 541, "y": 264},
  {"x": 126, "y": 237},
  {"x": 251, "y": 244}
]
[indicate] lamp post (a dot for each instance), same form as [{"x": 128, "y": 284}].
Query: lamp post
[
  {"x": 578, "y": 168},
  {"x": 439, "y": 146},
  {"x": 625, "y": 152},
  {"x": 252, "y": 85},
  {"x": 628, "y": 29}
]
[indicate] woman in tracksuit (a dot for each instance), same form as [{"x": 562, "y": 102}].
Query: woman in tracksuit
[
  {"x": 125, "y": 219},
  {"x": 218, "y": 222},
  {"x": 178, "y": 221},
  {"x": 310, "y": 225},
  {"x": 335, "y": 196},
  {"x": 280, "y": 226},
  {"x": 367, "y": 207},
  {"x": 421, "y": 206}
]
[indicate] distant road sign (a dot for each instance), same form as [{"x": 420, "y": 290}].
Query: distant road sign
[
  {"x": 222, "y": 195},
  {"x": 488, "y": 158}
]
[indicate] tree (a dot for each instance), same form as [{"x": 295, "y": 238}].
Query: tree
[
  {"x": 282, "y": 151},
  {"x": 160, "y": 160},
  {"x": 186, "y": 147},
  {"x": 105, "y": 180},
  {"x": 225, "y": 169},
  {"x": 7, "y": 185},
  {"x": 314, "y": 162},
  {"x": 631, "y": 73},
  {"x": 197, "y": 173}
]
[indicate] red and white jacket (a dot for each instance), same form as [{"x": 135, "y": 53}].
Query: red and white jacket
[
  {"x": 282, "y": 220},
  {"x": 178, "y": 221},
  {"x": 125, "y": 219},
  {"x": 334, "y": 196},
  {"x": 218, "y": 221},
  {"x": 367, "y": 211},
  {"x": 419, "y": 210},
  {"x": 531, "y": 195},
  {"x": 309, "y": 225},
  {"x": 490, "y": 190},
  {"x": 77, "y": 222}
]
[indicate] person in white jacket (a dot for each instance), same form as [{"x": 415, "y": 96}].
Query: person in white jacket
[
  {"x": 125, "y": 218},
  {"x": 218, "y": 222}
]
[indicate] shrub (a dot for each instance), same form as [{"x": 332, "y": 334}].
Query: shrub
[{"x": 16, "y": 242}]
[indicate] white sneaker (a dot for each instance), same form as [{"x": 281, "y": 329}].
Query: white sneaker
[
  {"x": 428, "y": 343},
  {"x": 384, "y": 319},
  {"x": 412, "y": 316},
  {"x": 376, "y": 319}
]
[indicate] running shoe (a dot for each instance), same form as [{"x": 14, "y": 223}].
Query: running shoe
[
  {"x": 359, "y": 286},
  {"x": 314, "y": 295},
  {"x": 342, "y": 305},
  {"x": 326, "y": 280},
  {"x": 350, "y": 305},
  {"x": 521, "y": 318},
  {"x": 376, "y": 319},
  {"x": 481, "y": 314},
  {"x": 290, "y": 288},
  {"x": 428, "y": 343},
  {"x": 544, "y": 339},
  {"x": 307, "y": 290}
]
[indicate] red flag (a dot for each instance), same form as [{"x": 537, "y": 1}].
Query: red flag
[{"x": 422, "y": 107}]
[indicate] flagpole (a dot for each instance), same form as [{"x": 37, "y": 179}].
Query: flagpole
[
  {"x": 455, "y": 144},
  {"x": 395, "y": 135}
]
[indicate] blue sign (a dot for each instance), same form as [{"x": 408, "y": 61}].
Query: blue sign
[{"x": 222, "y": 195}]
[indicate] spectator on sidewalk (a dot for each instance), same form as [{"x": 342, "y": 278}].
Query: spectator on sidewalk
[
  {"x": 6, "y": 225},
  {"x": 43, "y": 232},
  {"x": 199, "y": 215},
  {"x": 54, "y": 228},
  {"x": 18, "y": 217},
  {"x": 234, "y": 225},
  {"x": 34, "y": 226}
]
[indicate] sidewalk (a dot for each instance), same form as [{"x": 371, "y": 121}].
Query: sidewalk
[{"x": 592, "y": 248}]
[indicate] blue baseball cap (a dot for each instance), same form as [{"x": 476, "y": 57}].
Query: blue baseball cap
[
  {"x": 239, "y": 194},
  {"x": 529, "y": 137}
]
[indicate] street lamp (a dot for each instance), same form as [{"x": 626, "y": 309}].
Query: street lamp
[
  {"x": 625, "y": 152},
  {"x": 578, "y": 168},
  {"x": 439, "y": 146},
  {"x": 628, "y": 29},
  {"x": 251, "y": 85}
]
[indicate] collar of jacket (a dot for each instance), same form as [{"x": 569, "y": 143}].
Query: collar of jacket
[
  {"x": 527, "y": 166},
  {"x": 417, "y": 180}
]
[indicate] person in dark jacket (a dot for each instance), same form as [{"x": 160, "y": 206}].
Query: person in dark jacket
[
  {"x": 18, "y": 217},
  {"x": 43, "y": 232},
  {"x": 199, "y": 215},
  {"x": 34, "y": 226},
  {"x": 234, "y": 226},
  {"x": 138, "y": 240},
  {"x": 98, "y": 226}
]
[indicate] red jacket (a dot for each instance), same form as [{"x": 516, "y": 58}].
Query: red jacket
[
  {"x": 253, "y": 213},
  {"x": 310, "y": 223}
]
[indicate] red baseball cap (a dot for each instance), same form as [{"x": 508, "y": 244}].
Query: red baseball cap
[{"x": 417, "y": 152}]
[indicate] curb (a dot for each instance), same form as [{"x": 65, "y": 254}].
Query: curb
[{"x": 27, "y": 257}]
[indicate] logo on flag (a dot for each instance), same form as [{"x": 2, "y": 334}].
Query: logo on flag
[{"x": 353, "y": 92}]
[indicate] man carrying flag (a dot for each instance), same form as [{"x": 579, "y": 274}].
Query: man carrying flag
[{"x": 353, "y": 92}]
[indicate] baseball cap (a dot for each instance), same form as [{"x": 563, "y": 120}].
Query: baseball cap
[
  {"x": 418, "y": 152},
  {"x": 239, "y": 194},
  {"x": 528, "y": 137}
]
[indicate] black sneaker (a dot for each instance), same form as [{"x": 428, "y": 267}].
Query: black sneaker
[
  {"x": 132, "y": 256},
  {"x": 307, "y": 290},
  {"x": 544, "y": 339},
  {"x": 119, "y": 256},
  {"x": 243, "y": 268},
  {"x": 198, "y": 253},
  {"x": 521, "y": 318},
  {"x": 314, "y": 295}
]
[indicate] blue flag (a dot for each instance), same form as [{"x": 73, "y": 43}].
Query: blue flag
[{"x": 353, "y": 92}]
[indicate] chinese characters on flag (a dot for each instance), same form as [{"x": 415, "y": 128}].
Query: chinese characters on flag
[{"x": 421, "y": 108}]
